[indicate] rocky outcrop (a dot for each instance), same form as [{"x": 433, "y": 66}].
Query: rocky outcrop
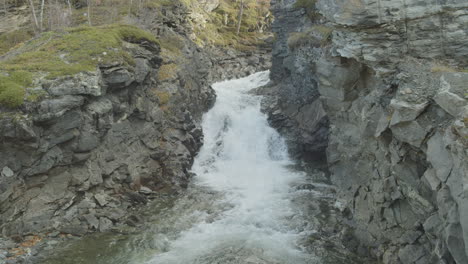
[
  {"x": 292, "y": 95},
  {"x": 96, "y": 145},
  {"x": 389, "y": 76}
]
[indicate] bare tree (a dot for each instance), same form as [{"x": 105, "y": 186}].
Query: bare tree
[
  {"x": 33, "y": 10},
  {"x": 42, "y": 16},
  {"x": 239, "y": 19},
  {"x": 5, "y": 7},
  {"x": 69, "y": 7},
  {"x": 89, "y": 11}
]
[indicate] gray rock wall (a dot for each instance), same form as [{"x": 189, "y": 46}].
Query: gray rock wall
[
  {"x": 392, "y": 82},
  {"x": 292, "y": 95},
  {"x": 100, "y": 144},
  {"x": 79, "y": 159}
]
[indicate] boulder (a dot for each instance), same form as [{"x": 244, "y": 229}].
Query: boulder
[
  {"x": 450, "y": 102},
  {"x": 85, "y": 83},
  {"x": 410, "y": 132},
  {"x": 439, "y": 157},
  {"x": 55, "y": 108},
  {"x": 105, "y": 224},
  {"x": 404, "y": 111}
]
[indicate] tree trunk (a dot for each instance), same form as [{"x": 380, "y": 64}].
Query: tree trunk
[
  {"x": 33, "y": 10},
  {"x": 69, "y": 8},
  {"x": 239, "y": 19},
  {"x": 89, "y": 11},
  {"x": 5, "y": 7},
  {"x": 42, "y": 16}
]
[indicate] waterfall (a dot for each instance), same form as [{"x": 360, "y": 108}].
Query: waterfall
[{"x": 246, "y": 160}]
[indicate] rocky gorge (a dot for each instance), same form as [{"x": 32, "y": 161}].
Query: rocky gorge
[
  {"x": 379, "y": 89},
  {"x": 370, "y": 96}
]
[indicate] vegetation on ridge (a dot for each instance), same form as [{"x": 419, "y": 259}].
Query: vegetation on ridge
[
  {"x": 77, "y": 37},
  {"x": 74, "y": 50}
]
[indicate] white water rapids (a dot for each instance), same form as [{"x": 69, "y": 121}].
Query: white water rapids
[{"x": 245, "y": 159}]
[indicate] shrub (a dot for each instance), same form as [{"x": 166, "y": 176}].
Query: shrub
[
  {"x": 309, "y": 6},
  {"x": 10, "y": 39},
  {"x": 298, "y": 39},
  {"x": 163, "y": 97},
  {"x": 440, "y": 67},
  {"x": 324, "y": 32},
  {"x": 305, "y": 4},
  {"x": 12, "y": 88}
]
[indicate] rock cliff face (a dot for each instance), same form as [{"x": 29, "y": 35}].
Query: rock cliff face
[
  {"x": 98, "y": 144},
  {"x": 390, "y": 78}
]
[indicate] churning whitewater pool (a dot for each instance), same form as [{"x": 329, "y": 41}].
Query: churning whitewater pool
[{"x": 244, "y": 206}]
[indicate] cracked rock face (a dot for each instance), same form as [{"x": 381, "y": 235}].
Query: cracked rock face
[
  {"x": 398, "y": 120},
  {"x": 101, "y": 144},
  {"x": 94, "y": 145}
]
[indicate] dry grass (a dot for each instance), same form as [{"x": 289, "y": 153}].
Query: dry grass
[
  {"x": 167, "y": 72},
  {"x": 440, "y": 67}
]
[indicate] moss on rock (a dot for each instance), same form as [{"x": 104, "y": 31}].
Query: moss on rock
[{"x": 74, "y": 50}]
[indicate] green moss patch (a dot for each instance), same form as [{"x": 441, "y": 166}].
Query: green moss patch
[
  {"x": 11, "y": 39},
  {"x": 12, "y": 88},
  {"x": 74, "y": 50},
  {"x": 172, "y": 45}
]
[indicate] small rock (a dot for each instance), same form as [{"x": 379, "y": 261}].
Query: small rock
[
  {"x": 133, "y": 220},
  {"x": 105, "y": 224},
  {"x": 145, "y": 190},
  {"x": 308, "y": 187},
  {"x": 52, "y": 242},
  {"x": 430, "y": 176},
  {"x": 7, "y": 172},
  {"x": 86, "y": 204},
  {"x": 54, "y": 234},
  {"x": 7, "y": 244},
  {"x": 136, "y": 198},
  {"x": 405, "y": 111},
  {"x": 92, "y": 220},
  {"x": 450, "y": 102},
  {"x": 115, "y": 214},
  {"x": 411, "y": 253},
  {"x": 101, "y": 198}
]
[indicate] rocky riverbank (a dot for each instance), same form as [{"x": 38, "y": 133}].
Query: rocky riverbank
[{"x": 380, "y": 89}]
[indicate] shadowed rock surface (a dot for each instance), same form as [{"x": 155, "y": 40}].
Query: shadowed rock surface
[{"x": 389, "y": 77}]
